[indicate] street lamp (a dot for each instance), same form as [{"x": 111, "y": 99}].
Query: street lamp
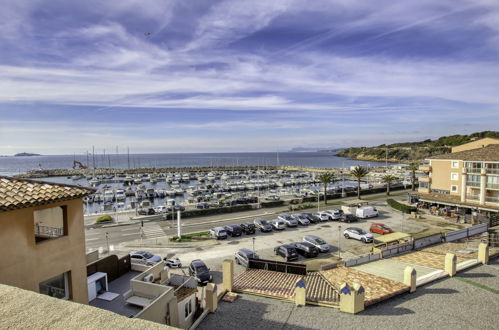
[
  {"x": 339, "y": 241},
  {"x": 107, "y": 241},
  {"x": 254, "y": 245}
]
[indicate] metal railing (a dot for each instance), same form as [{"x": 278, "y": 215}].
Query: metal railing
[
  {"x": 473, "y": 184},
  {"x": 48, "y": 231},
  {"x": 473, "y": 197},
  {"x": 492, "y": 199},
  {"x": 492, "y": 171},
  {"x": 493, "y": 185},
  {"x": 473, "y": 170}
]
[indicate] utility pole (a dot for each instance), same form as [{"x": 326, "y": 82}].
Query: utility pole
[
  {"x": 128, "y": 149},
  {"x": 254, "y": 246},
  {"x": 93, "y": 155},
  {"x": 339, "y": 241},
  {"x": 107, "y": 241},
  {"x": 179, "y": 228}
]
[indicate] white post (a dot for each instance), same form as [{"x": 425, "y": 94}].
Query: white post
[{"x": 179, "y": 229}]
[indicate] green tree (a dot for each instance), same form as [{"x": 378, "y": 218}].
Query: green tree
[
  {"x": 325, "y": 179},
  {"x": 413, "y": 167},
  {"x": 359, "y": 172},
  {"x": 388, "y": 179}
]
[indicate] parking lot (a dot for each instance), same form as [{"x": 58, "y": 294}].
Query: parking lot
[{"x": 213, "y": 252}]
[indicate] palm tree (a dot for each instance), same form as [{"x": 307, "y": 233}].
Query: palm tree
[
  {"x": 359, "y": 172},
  {"x": 325, "y": 179},
  {"x": 413, "y": 167},
  {"x": 388, "y": 179}
]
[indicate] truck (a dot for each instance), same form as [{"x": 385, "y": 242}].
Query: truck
[{"x": 365, "y": 212}]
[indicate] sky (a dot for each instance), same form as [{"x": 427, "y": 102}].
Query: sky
[{"x": 241, "y": 76}]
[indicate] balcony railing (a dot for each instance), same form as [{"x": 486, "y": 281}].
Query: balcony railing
[
  {"x": 492, "y": 171},
  {"x": 474, "y": 197},
  {"x": 472, "y": 184},
  {"x": 492, "y": 185},
  {"x": 473, "y": 170},
  {"x": 48, "y": 231},
  {"x": 492, "y": 199}
]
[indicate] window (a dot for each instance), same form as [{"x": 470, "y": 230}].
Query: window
[
  {"x": 454, "y": 176},
  {"x": 57, "y": 287},
  {"x": 424, "y": 185},
  {"x": 455, "y": 164},
  {"x": 453, "y": 188},
  {"x": 473, "y": 180},
  {"x": 188, "y": 309},
  {"x": 50, "y": 223}
]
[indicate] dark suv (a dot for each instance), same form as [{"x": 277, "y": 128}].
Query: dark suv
[
  {"x": 286, "y": 251},
  {"x": 242, "y": 256},
  {"x": 312, "y": 217},
  {"x": 248, "y": 228},
  {"x": 349, "y": 218},
  {"x": 198, "y": 270},
  {"x": 306, "y": 249},
  {"x": 233, "y": 230}
]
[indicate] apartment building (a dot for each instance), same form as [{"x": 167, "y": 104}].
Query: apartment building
[
  {"x": 467, "y": 178},
  {"x": 42, "y": 238}
]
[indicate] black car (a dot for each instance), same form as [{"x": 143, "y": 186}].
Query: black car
[
  {"x": 242, "y": 200},
  {"x": 248, "y": 228},
  {"x": 243, "y": 256},
  {"x": 200, "y": 272},
  {"x": 312, "y": 217},
  {"x": 202, "y": 205},
  {"x": 306, "y": 249},
  {"x": 252, "y": 199},
  {"x": 149, "y": 211},
  {"x": 349, "y": 218},
  {"x": 286, "y": 251},
  {"x": 234, "y": 230}
]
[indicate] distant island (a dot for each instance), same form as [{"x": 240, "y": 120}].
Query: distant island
[
  {"x": 417, "y": 151},
  {"x": 23, "y": 154}
]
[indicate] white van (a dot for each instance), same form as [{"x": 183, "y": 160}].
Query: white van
[
  {"x": 365, "y": 212},
  {"x": 349, "y": 209}
]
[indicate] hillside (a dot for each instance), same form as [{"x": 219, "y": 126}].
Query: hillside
[{"x": 413, "y": 150}]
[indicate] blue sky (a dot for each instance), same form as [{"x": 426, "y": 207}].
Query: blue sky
[{"x": 203, "y": 76}]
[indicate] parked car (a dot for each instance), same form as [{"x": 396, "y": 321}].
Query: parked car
[
  {"x": 278, "y": 224},
  {"x": 161, "y": 209},
  {"x": 233, "y": 230},
  {"x": 365, "y": 212},
  {"x": 312, "y": 217},
  {"x": 302, "y": 220},
  {"x": 335, "y": 214},
  {"x": 358, "y": 234},
  {"x": 318, "y": 242},
  {"x": 242, "y": 256},
  {"x": 272, "y": 198},
  {"x": 144, "y": 257},
  {"x": 306, "y": 249},
  {"x": 349, "y": 218},
  {"x": 248, "y": 228},
  {"x": 218, "y": 233},
  {"x": 324, "y": 216},
  {"x": 146, "y": 211},
  {"x": 263, "y": 225},
  {"x": 289, "y": 220},
  {"x": 172, "y": 262},
  {"x": 380, "y": 228},
  {"x": 200, "y": 272},
  {"x": 287, "y": 251},
  {"x": 202, "y": 205}
]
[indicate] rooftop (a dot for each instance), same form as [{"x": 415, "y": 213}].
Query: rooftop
[
  {"x": 454, "y": 200},
  {"x": 22, "y": 309},
  {"x": 489, "y": 153},
  {"x": 22, "y": 193}
]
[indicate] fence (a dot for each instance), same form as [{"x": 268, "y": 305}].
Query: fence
[
  {"x": 111, "y": 265},
  {"x": 278, "y": 266},
  {"x": 466, "y": 232},
  {"x": 362, "y": 260},
  {"x": 426, "y": 241},
  {"x": 396, "y": 249}
]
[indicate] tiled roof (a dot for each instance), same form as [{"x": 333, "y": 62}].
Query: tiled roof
[
  {"x": 267, "y": 283},
  {"x": 21, "y": 193},
  {"x": 489, "y": 153},
  {"x": 426, "y": 259}
]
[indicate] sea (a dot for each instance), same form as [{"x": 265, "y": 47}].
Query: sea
[{"x": 11, "y": 165}]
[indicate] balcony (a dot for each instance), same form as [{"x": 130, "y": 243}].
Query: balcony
[
  {"x": 473, "y": 184},
  {"x": 424, "y": 179},
  {"x": 473, "y": 197},
  {"x": 492, "y": 186},
  {"x": 425, "y": 168},
  {"x": 494, "y": 171},
  {"x": 473, "y": 170}
]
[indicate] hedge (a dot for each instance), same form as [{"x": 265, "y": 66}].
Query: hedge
[
  {"x": 203, "y": 235},
  {"x": 401, "y": 207},
  {"x": 216, "y": 210},
  {"x": 272, "y": 204}
]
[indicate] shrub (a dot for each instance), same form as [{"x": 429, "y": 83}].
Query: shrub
[
  {"x": 401, "y": 207},
  {"x": 301, "y": 206},
  {"x": 272, "y": 204},
  {"x": 202, "y": 235},
  {"x": 104, "y": 218}
]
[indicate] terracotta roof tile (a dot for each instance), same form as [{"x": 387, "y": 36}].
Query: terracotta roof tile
[{"x": 21, "y": 193}]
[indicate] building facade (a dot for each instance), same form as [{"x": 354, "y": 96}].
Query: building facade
[
  {"x": 42, "y": 233},
  {"x": 469, "y": 176}
]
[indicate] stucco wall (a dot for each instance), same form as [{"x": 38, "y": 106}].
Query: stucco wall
[
  {"x": 157, "y": 310},
  {"x": 26, "y": 263},
  {"x": 441, "y": 175},
  {"x": 475, "y": 144}
]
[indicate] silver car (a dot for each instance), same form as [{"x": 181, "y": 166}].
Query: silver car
[
  {"x": 290, "y": 222},
  {"x": 302, "y": 220},
  {"x": 278, "y": 224},
  {"x": 242, "y": 256},
  {"x": 318, "y": 242},
  {"x": 144, "y": 257}
]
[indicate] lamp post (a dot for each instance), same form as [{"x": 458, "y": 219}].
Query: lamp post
[
  {"x": 339, "y": 241},
  {"x": 254, "y": 245},
  {"x": 318, "y": 198},
  {"x": 107, "y": 241}
]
